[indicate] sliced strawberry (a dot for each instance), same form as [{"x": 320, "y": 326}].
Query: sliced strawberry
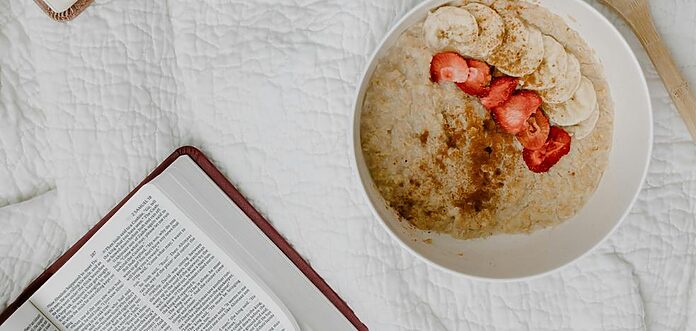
[
  {"x": 557, "y": 146},
  {"x": 479, "y": 78},
  {"x": 534, "y": 136},
  {"x": 501, "y": 89},
  {"x": 448, "y": 67},
  {"x": 512, "y": 115}
]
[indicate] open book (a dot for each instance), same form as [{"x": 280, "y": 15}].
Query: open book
[{"x": 179, "y": 254}]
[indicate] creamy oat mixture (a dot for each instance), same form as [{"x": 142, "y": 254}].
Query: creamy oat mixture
[{"x": 441, "y": 163}]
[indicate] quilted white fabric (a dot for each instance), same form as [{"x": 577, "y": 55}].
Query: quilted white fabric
[{"x": 264, "y": 87}]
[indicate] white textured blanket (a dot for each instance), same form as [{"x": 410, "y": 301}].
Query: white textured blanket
[{"x": 88, "y": 107}]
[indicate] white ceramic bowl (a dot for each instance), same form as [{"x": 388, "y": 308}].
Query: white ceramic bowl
[{"x": 506, "y": 257}]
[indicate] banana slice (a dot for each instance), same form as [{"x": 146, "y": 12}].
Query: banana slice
[
  {"x": 491, "y": 31},
  {"x": 504, "y": 5},
  {"x": 552, "y": 67},
  {"x": 450, "y": 28},
  {"x": 576, "y": 109},
  {"x": 460, "y": 3},
  {"x": 566, "y": 87},
  {"x": 584, "y": 128},
  {"x": 522, "y": 49}
]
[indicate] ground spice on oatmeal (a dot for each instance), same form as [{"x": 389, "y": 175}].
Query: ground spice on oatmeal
[
  {"x": 424, "y": 137},
  {"x": 487, "y": 169}
]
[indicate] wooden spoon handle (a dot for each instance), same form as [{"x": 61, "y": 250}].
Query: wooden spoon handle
[{"x": 678, "y": 87}]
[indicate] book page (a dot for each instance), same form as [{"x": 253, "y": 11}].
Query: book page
[
  {"x": 222, "y": 220},
  {"x": 151, "y": 268},
  {"x": 27, "y": 318}
]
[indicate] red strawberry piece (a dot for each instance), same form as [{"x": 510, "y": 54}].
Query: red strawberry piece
[
  {"x": 501, "y": 89},
  {"x": 448, "y": 67},
  {"x": 557, "y": 146},
  {"x": 479, "y": 78},
  {"x": 512, "y": 115},
  {"x": 536, "y": 133}
]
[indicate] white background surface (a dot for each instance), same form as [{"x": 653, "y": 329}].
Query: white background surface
[{"x": 88, "y": 108}]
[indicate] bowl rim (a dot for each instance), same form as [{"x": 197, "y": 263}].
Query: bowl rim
[{"x": 355, "y": 149}]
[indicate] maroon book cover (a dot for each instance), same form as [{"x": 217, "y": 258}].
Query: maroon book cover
[{"x": 238, "y": 199}]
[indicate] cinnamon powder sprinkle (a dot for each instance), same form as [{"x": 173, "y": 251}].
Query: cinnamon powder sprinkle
[
  {"x": 486, "y": 149},
  {"x": 469, "y": 167},
  {"x": 424, "y": 137}
]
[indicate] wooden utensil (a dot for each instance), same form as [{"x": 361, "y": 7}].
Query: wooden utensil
[{"x": 637, "y": 14}]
